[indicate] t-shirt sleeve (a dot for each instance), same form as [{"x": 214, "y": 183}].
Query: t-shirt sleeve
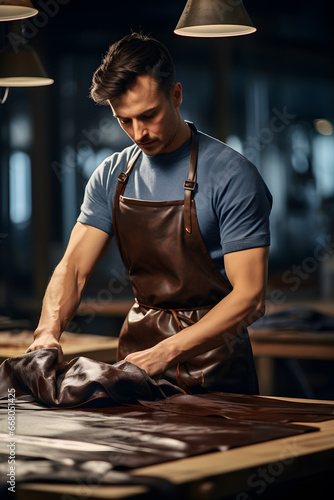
[
  {"x": 243, "y": 206},
  {"x": 96, "y": 209}
]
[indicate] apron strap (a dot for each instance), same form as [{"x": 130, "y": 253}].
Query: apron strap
[
  {"x": 190, "y": 183},
  {"x": 123, "y": 176},
  {"x": 122, "y": 180}
]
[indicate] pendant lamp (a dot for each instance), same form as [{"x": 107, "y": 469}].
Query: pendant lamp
[
  {"x": 22, "y": 68},
  {"x": 11, "y": 10},
  {"x": 214, "y": 18}
]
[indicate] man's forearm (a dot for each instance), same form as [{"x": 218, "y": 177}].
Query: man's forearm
[
  {"x": 247, "y": 272},
  {"x": 86, "y": 247},
  {"x": 61, "y": 300},
  {"x": 219, "y": 326}
]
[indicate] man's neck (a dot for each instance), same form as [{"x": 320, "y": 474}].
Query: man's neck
[{"x": 182, "y": 136}]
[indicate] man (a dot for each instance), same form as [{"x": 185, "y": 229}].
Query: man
[{"x": 190, "y": 216}]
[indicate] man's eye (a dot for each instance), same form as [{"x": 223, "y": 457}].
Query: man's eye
[{"x": 124, "y": 120}]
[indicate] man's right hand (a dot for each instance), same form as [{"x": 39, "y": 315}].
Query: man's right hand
[{"x": 46, "y": 340}]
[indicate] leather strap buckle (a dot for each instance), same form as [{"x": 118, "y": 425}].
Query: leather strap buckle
[
  {"x": 122, "y": 177},
  {"x": 190, "y": 185}
]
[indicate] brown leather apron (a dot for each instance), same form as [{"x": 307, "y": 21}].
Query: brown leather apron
[{"x": 175, "y": 283}]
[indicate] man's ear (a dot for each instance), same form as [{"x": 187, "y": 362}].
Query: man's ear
[{"x": 176, "y": 94}]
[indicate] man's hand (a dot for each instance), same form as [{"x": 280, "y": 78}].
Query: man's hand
[
  {"x": 44, "y": 341},
  {"x": 151, "y": 360}
]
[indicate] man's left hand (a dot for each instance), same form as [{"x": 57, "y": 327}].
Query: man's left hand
[{"x": 151, "y": 360}]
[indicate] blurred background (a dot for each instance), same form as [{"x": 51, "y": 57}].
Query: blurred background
[{"x": 270, "y": 95}]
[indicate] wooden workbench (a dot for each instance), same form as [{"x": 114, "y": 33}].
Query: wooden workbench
[
  {"x": 267, "y": 345},
  {"x": 270, "y": 344},
  {"x": 242, "y": 474},
  {"x": 235, "y": 473},
  {"x": 73, "y": 344}
]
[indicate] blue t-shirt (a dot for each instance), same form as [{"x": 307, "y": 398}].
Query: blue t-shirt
[{"x": 232, "y": 201}]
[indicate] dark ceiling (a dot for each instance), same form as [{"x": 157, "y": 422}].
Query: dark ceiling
[
  {"x": 83, "y": 23},
  {"x": 304, "y": 20},
  {"x": 86, "y": 28}
]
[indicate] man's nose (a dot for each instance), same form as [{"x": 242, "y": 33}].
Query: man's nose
[{"x": 139, "y": 130}]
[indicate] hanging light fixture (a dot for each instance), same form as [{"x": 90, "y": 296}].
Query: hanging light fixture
[
  {"x": 214, "y": 18},
  {"x": 11, "y": 10},
  {"x": 22, "y": 68}
]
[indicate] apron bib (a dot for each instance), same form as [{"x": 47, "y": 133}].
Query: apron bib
[{"x": 175, "y": 283}]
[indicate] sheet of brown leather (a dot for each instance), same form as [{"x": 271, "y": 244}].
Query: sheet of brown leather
[
  {"x": 136, "y": 436},
  {"x": 240, "y": 407},
  {"x": 86, "y": 382},
  {"x": 79, "y": 381},
  {"x": 85, "y": 411}
]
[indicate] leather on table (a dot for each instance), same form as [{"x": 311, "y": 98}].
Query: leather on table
[
  {"x": 79, "y": 381},
  {"x": 85, "y": 412}
]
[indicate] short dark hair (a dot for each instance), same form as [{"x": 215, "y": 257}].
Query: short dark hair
[{"x": 133, "y": 55}]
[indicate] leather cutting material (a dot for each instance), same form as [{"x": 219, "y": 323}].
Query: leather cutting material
[
  {"x": 131, "y": 437},
  {"x": 175, "y": 283},
  {"x": 79, "y": 381},
  {"x": 84, "y": 382},
  {"x": 87, "y": 410}
]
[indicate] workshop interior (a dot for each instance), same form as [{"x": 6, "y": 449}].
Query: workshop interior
[
  {"x": 257, "y": 75},
  {"x": 268, "y": 94}
]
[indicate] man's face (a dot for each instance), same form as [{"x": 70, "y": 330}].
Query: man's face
[{"x": 149, "y": 118}]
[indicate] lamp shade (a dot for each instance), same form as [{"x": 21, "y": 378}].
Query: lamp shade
[
  {"x": 10, "y": 10},
  {"x": 22, "y": 69},
  {"x": 214, "y": 18}
]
